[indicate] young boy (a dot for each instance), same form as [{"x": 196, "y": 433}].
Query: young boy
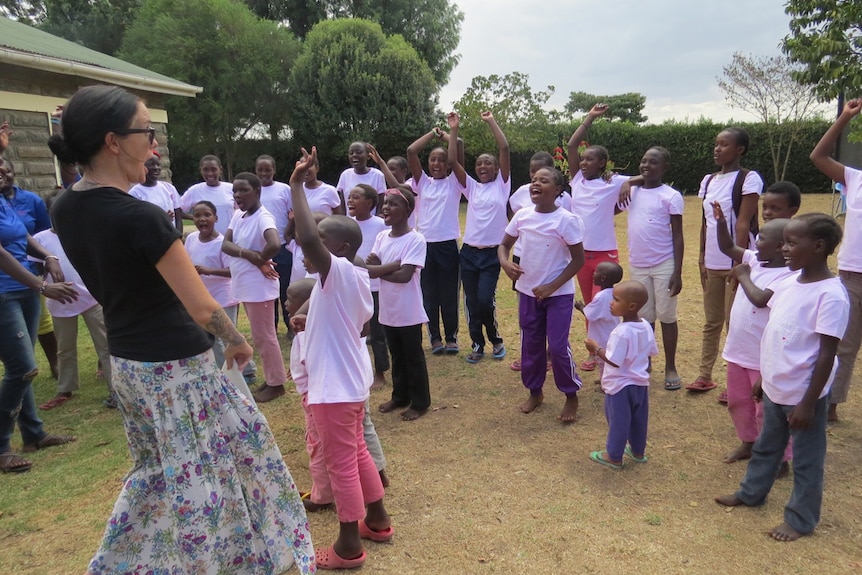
[
  {"x": 781, "y": 200},
  {"x": 339, "y": 374},
  {"x": 600, "y": 322},
  {"x": 625, "y": 380}
]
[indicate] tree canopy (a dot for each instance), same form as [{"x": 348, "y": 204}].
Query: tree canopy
[{"x": 623, "y": 107}]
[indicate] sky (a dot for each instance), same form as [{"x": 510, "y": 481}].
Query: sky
[{"x": 671, "y": 51}]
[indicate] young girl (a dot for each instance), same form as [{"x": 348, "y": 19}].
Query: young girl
[
  {"x": 438, "y": 223},
  {"x": 656, "y": 249},
  {"x": 360, "y": 203},
  {"x": 252, "y": 241},
  {"x": 212, "y": 189},
  {"x": 360, "y": 173},
  {"x": 737, "y": 191},
  {"x": 486, "y": 222},
  {"x": 553, "y": 246},
  {"x": 594, "y": 199},
  {"x": 275, "y": 197},
  {"x": 396, "y": 258},
  {"x": 798, "y": 364},
  {"x": 600, "y": 321},
  {"x": 162, "y": 194},
  {"x": 850, "y": 254}
]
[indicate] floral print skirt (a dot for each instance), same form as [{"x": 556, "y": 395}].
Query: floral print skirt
[{"x": 209, "y": 493}]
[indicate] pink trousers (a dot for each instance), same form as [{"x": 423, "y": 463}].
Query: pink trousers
[
  {"x": 265, "y": 340},
  {"x": 746, "y": 414},
  {"x": 339, "y": 463}
]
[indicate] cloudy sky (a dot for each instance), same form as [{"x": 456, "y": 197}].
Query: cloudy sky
[{"x": 671, "y": 51}]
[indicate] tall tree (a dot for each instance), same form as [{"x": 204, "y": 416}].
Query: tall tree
[
  {"x": 826, "y": 39},
  {"x": 240, "y": 61},
  {"x": 432, "y": 27},
  {"x": 352, "y": 82},
  {"x": 766, "y": 88},
  {"x": 623, "y": 107}
]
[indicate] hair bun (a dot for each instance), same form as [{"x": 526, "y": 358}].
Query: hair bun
[{"x": 61, "y": 149}]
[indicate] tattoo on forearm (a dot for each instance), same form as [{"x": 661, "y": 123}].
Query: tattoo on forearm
[{"x": 220, "y": 326}]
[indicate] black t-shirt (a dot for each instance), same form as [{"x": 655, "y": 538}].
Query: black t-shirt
[{"x": 114, "y": 242}]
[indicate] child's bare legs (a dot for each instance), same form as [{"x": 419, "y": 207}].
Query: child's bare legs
[
  {"x": 570, "y": 409},
  {"x": 379, "y": 381},
  {"x": 669, "y": 339},
  {"x": 532, "y": 403}
]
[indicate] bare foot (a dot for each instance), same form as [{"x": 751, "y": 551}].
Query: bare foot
[
  {"x": 570, "y": 409},
  {"x": 785, "y": 532},
  {"x": 743, "y": 451},
  {"x": 379, "y": 382},
  {"x": 783, "y": 471},
  {"x": 531, "y": 404},
  {"x": 412, "y": 414},
  {"x": 388, "y": 406},
  {"x": 729, "y": 500},
  {"x": 832, "y": 414}
]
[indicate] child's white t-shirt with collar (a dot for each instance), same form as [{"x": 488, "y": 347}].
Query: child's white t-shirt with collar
[
  {"x": 336, "y": 357},
  {"x": 748, "y": 321},
  {"x": 370, "y": 228},
  {"x": 598, "y": 314},
  {"x": 441, "y": 199},
  {"x": 324, "y": 198},
  {"x": 521, "y": 200},
  {"x": 221, "y": 196},
  {"x": 594, "y": 201},
  {"x": 401, "y": 303},
  {"x": 298, "y": 372},
  {"x": 721, "y": 191},
  {"x": 545, "y": 238},
  {"x": 247, "y": 281},
  {"x": 277, "y": 200},
  {"x": 51, "y": 242},
  {"x": 486, "y": 211},
  {"x": 162, "y": 194},
  {"x": 630, "y": 346},
  {"x": 650, "y": 236},
  {"x": 209, "y": 254},
  {"x": 799, "y": 314},
  {"x": 850, "y": 252}
]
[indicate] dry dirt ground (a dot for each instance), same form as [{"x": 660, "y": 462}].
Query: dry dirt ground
[{"x": 478, "y": 487}]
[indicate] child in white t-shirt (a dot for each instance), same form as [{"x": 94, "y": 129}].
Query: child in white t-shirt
[
  {"x": 322, "y": 197},
  {"x": 625, "y": 380},
  {"x": 600, "y": 321},
  {"x": 211, "y": 189},
  {"x": 487, "y": 198},
  {"x": 808, "y": 316},
  {"x": 162, "y": 194},
  {"x": 360, "y": 202},
  {"x": 396, "y": 258},
  {"x": 339, "y": 374},
  {"x": 252, "y": 242},
  {"x": 275, "y": 197},
  {"x": 656, "y": 250},
  {"x": 360, "y": 173},
  {"x": 551, "y": 240}
]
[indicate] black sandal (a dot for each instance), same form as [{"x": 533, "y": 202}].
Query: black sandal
[{"x": 13, "y": 463}]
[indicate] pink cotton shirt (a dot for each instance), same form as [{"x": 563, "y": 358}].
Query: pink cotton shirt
[
  {"x": 162, "y": 194},
  {"x": 520, "y": 199},
  {"x": 594, "y": 201},
  {"x": 370, "y": 228},
  {"x": 401, "y": 304},
  {"x": 339, "y": 367},
  {"x": 276, "y": 199},
  {"x": 486, "y": 211},
  {"x": 438, "y": 220},
  {"x": 51, "y": 242},
  {"x": 747, "y": 321},
  {"x": 598, "y": 313},
  {"x": 721, "y": 191},
  {"x": 221, "y": 196},
  {"x": 850, "y": 252},
  {"x": 630, "y": 346},
  {"x": 247, "y": 281},
  {"x": 209, "y": 254},
  {"x": 649, "y": 213}
]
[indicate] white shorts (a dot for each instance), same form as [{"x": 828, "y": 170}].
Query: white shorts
[{"x": 660, "y": 305}]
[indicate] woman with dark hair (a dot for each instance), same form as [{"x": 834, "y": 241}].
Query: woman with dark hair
[{"x": 209, "y": 491}]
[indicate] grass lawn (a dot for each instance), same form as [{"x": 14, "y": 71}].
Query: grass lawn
[{"x": 478, "y": 487}]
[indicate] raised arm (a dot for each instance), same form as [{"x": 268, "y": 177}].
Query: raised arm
[
  {"x": 502, "y": 145},
  {"x": 821, "y": 155},
  {"x": 457, "y": 167},
  {"x": 307, "y": 235},
  {"x": 722, "y": 234},
  {"x": 581, "y": 132},
  {"x": 387, "y": 173},
  {"x": 413, "y": 154},
  {"x": 459, "y": 142}
]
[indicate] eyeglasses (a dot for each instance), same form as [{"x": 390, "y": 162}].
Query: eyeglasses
[{"x": 150, "y": 132}]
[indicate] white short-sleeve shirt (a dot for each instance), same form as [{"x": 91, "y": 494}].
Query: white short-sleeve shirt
[
  {"x": 323, "y": 198},
  {"x": 799, "y": 314},
  {"x": 370, "y": 228},
  {"x": 349, "y": 179},
  {"x": 521, "y": 199},
  {"x": 221, "y": 197},
  {"x": 401, "y": 303},
  {"x": 649, "y": 214},
  {"x": 209, "y": 254},
  {"x": 276, "y": 199},
  {"x": 486, "y": 211},
  {"x": 850, "y": 252},
  {"x": 247, "y": 281},
  {"x": 438, "y": 221},
  {"x": 630, "y": 346},
  {"x": 545, "y": 240},
  {"x": 162, "y": 194},
  {"x": 721, "y": 191},
  {"x": 51, "y": 242},
  {"x": 598, "y": 314},
  {"x": 594, "y": 201}
]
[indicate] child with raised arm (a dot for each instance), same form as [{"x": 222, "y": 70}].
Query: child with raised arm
[
  {"x": 552, "y": 244},
  {"x": 758, "y": 273},
  {"x": 808, "y": 316},
  {"x": 600, "y": 321},
  {"x": 213, "y": 189},
  {"x": 396, "y": 258},
  {"x": 656, "y": 250},
  {"x": 737, "y": 190},
  {"x": 487, "y": 198},
  {"x": 850, "y": 254},
  {"x": 360, "y": 173},
  {"x": 339, "y": 374},
  {"x": 625, "y": 379},
  {"x": 438, "y": 223}
]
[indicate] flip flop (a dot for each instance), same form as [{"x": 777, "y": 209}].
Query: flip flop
[
  {"x": 437, "y": 348},
  {"x": 379, "y": 536},
  {"x": 452, "y": 348},
  {"x": 328, "y": 559},
  {"x": 672, "y": 384},
  {"x": 599, "y": 457},
  {"x": 701, "y": 385},
  {"x": 55, "y": 402},
  {"x": 515, "y": 365},
  {"x": 499, "y": 351},
  {"x": 628, "y": 451},
  {"x": 588, "y": 365},
  {"x": 722, "y": 397}
]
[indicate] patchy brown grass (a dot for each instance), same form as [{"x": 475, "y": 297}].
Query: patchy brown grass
[{"x": 478, "y": 487}]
